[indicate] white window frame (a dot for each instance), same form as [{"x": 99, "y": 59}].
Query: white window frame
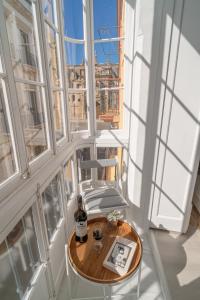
[
  {"x": 70, "y": 160},
  {"x": 14, "y": 118},
  {"x": 32, "y": 203},
  {"x": 4, "y": 84},
  {"x": 74, "y": 90},
  {"x": 33, "y": 165},
  {"x": 60, "y": 144},
  {"x": 99, "y": 41},
  {"x": 88, "y": 23},
  {"x": 58, "y": 173},
  {"x": 86, "y": 132},
  {"x": 92, "y": 156},
  {"x": 89, "y": 42}
]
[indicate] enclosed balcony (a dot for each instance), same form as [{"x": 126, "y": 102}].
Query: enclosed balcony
[{"x": 99, "y": 97}]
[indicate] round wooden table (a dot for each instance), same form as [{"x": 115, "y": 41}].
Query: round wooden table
[{"x": 88, "y": 263}]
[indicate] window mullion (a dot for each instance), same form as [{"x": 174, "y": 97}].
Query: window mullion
[
  {"x": 89, "y": 59},
  {"x": 65, "y": 85},
  {"x": 16, "y": 128},
  {"x": 118, "y": 39},
  {"x": 62, "y": 68},
  {"x": 71, "y": 40},
  {"x": 94, "y": 171},
  {"x": 75, "y": 174}
]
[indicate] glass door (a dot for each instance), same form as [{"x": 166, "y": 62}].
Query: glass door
[{"x": 55, "y": 228}]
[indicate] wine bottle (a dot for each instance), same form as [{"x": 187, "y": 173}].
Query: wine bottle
[{"x": 80, "y": 217}]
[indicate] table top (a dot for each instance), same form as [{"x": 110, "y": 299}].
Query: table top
[{"x": 89, "y": 264}]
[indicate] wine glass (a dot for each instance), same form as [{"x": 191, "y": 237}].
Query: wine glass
[{"x": 97, "y": 235}]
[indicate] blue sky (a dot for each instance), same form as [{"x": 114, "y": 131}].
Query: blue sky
[{"x": 105, "y": 20}]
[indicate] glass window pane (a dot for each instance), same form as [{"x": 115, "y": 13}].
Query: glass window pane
[
  {"x": 78, "y": 110},
  {"x": 52, "y": 206},
  {"x": 22, "y": 257},
  {"x": 108, "y": 173},
  {"x": 109, "y": 109},
  {"x": 73, "y": 16},
  {"x": 109, "y": 74},
  {"x": 7, "y": 160},
  {"x": 83, "y": 154},
  {"x": 33, "y": 118},
  {"x": 75, "y": 58},
  {"x": 69, "y": 188},
  {"x": 58, "y": 114},
  {"x": 53, "y": 56},
  {"x": 28, "y": 223},
  {"x": 108, "y": 18},
  {"x": 109, "y": 66},
  {"x": 48, "y": 7},
  {"x": 20, "y": 28},
  {"x": 8, "y": 287}
]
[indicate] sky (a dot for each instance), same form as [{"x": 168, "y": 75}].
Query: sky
[{"x": 105, "y": 21}]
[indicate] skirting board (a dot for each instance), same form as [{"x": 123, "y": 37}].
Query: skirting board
[{"x": 159, "y": 266}]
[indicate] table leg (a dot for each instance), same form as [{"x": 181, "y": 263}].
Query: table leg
[
  {"x": 69, "y": 284},
  {"x": 104, "y": 292},
  {"x": 110, "y": 287},
  {"x": 139, "y": 279},
  {"x": 68, "y": 272}
]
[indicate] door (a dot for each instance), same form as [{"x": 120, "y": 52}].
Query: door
[
  {"x": 55, "y": 229},
  {"x": 176, "y": 159}
]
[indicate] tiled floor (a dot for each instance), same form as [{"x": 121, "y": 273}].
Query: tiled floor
[
  {"x": 180, "y": 256},
  {"x": 150, "y": 286}
]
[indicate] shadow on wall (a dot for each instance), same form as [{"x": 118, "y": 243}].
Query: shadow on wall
[{"x": 162, "y": 143}]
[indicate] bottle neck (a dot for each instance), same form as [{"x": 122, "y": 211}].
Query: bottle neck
[{"x": 80, "y": 206}]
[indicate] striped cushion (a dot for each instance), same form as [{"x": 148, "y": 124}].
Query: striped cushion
[{"x": 103, "y": 198}]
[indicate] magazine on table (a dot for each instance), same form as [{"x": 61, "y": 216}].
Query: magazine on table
[{"x": 120, "y": 255}]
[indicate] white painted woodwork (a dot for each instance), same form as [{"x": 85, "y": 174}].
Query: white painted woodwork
[
  {"x": 176, "y": 160},
  {"x": 57, "y": 255}
]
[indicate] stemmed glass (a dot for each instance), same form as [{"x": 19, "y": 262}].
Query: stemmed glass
[{"x": 97, "y": 235}]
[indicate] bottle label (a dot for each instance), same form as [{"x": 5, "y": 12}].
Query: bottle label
[{"x": 81, "y": 228}]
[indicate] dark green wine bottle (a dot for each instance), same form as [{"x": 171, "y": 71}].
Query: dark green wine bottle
[{"x": 80, "y": 217}]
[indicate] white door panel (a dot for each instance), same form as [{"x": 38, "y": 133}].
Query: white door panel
[
  {"x": 182, "y": 135},
  {"x": 178, "y": 133}
]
